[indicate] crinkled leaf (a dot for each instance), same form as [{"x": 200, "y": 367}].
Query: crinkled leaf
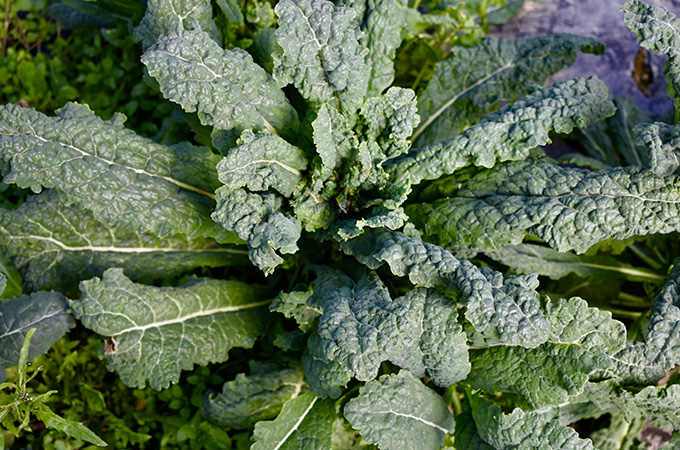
[
  {"x": 361, "y": 327},
  {"x": 348, "y": 162},
  {"x": 397, "y": 412},
  {"x": 608, "y": 397},
  {"x": 526, "y": 430},
  {"x": 255, "y": 218},
  {"x": 241, "y": 211},
  {"x": 383, "y": 26},
  {"x": 123, "y": 178},
  {"x": 155, "y": 333},
  {"x": 360, "y": 346},
  {"x": 321, "y": 54},
  {"x": 359, "y": 7},
  {"x": 377, "y": 217},
  {"x": 316, "y": 204},
  {"x": 390, "y": 119},
  {"x": 469, "y": 83},
  {"x": 501, "y": 311},
  {"x": 569, "y": 208},
  {"x": 263, "y": 161},
  {"x": 662, "y": 143},
  {"x": 657, "y": 30},
  {"x": 442, "y": 343},
  {"x": 251, "y": 398},
  {"x": 334, "y": 141},
  {"x": 325, "y": 378},
  {"x": 260, "y": 162},
  {"x": 663, "y": 334},
  {"x": 44, "y": 311},
  {"x": 305, "y": 423},
  {"x": 163, "y": 16},
  {"x": 509, "y": 133},
  {"x": 71, "y": 428},
  {"x": 57, "y": 245},
  {"x": 532, "y": 258},
  {"x": 294, "y": 305},
  {"x": 384, "y": 125},
  {"x": 277, "y": 232},
  {"x": 424, "y": 264},
  {"x": 581, "y": 343},
  {"x": 225, "y": 87},
  {"x": 637, "y": 364},
  {"x": 644, "y": 363},
  {"x": 364, "y": 171}
]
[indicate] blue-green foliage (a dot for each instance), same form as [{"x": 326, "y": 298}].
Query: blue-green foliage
[{"x": 364, "y": 316}]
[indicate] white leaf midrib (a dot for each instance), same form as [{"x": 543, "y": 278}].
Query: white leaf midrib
[
  {"x": 31, "y": 325},
  {"x": 83, "y": 153},
  {"x": 416, "y": 418},
  {"x": 182, "y": 319},
  {"x": 457, "y": 96},
  {"x": 296, "y": 425},
  {"x": 113, "y": 249},
  {"x": 272, "y": 162}
]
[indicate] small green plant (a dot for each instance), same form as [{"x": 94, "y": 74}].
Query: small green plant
[
  {"x": 43, "y": 68},
  {"x": 18, "y": 404}
]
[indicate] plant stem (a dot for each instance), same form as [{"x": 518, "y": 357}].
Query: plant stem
[
  {"x": 455, "y": 401},
  {"x": 622, "y": 312},
  {"x": 644, "y": 255},
  {"x": 420, "y": 76}
]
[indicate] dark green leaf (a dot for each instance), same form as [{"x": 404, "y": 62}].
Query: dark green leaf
[
  {"x": 321, "y": 53},
  {"x": 155, "y": 333},
  {"x": 361, "y": 327},
  {"x": 57, "y": 245},
  {"x": 569, "y": 208},
  {"x": 527, "y": 430},
  {"x": 225, "y": 87},
  {"x": 501, "y": 311},
  {"x": 123, "y": 178},
  {"x": 44, "y": 311},
  {"x": 469, "y": 83},
  {"x": 397, "y": 412},
  {"x": 582, "y": 343},
  {"x": 254, "y": 397},
  {"x": 326, "y": 378},
  {"x": 163, "y": 16},
  {"x": 305, "y": 423},
  {"x": 510, "y": 133}
]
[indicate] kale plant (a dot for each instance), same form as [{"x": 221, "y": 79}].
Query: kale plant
[{"x": 360, "y": 202}]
